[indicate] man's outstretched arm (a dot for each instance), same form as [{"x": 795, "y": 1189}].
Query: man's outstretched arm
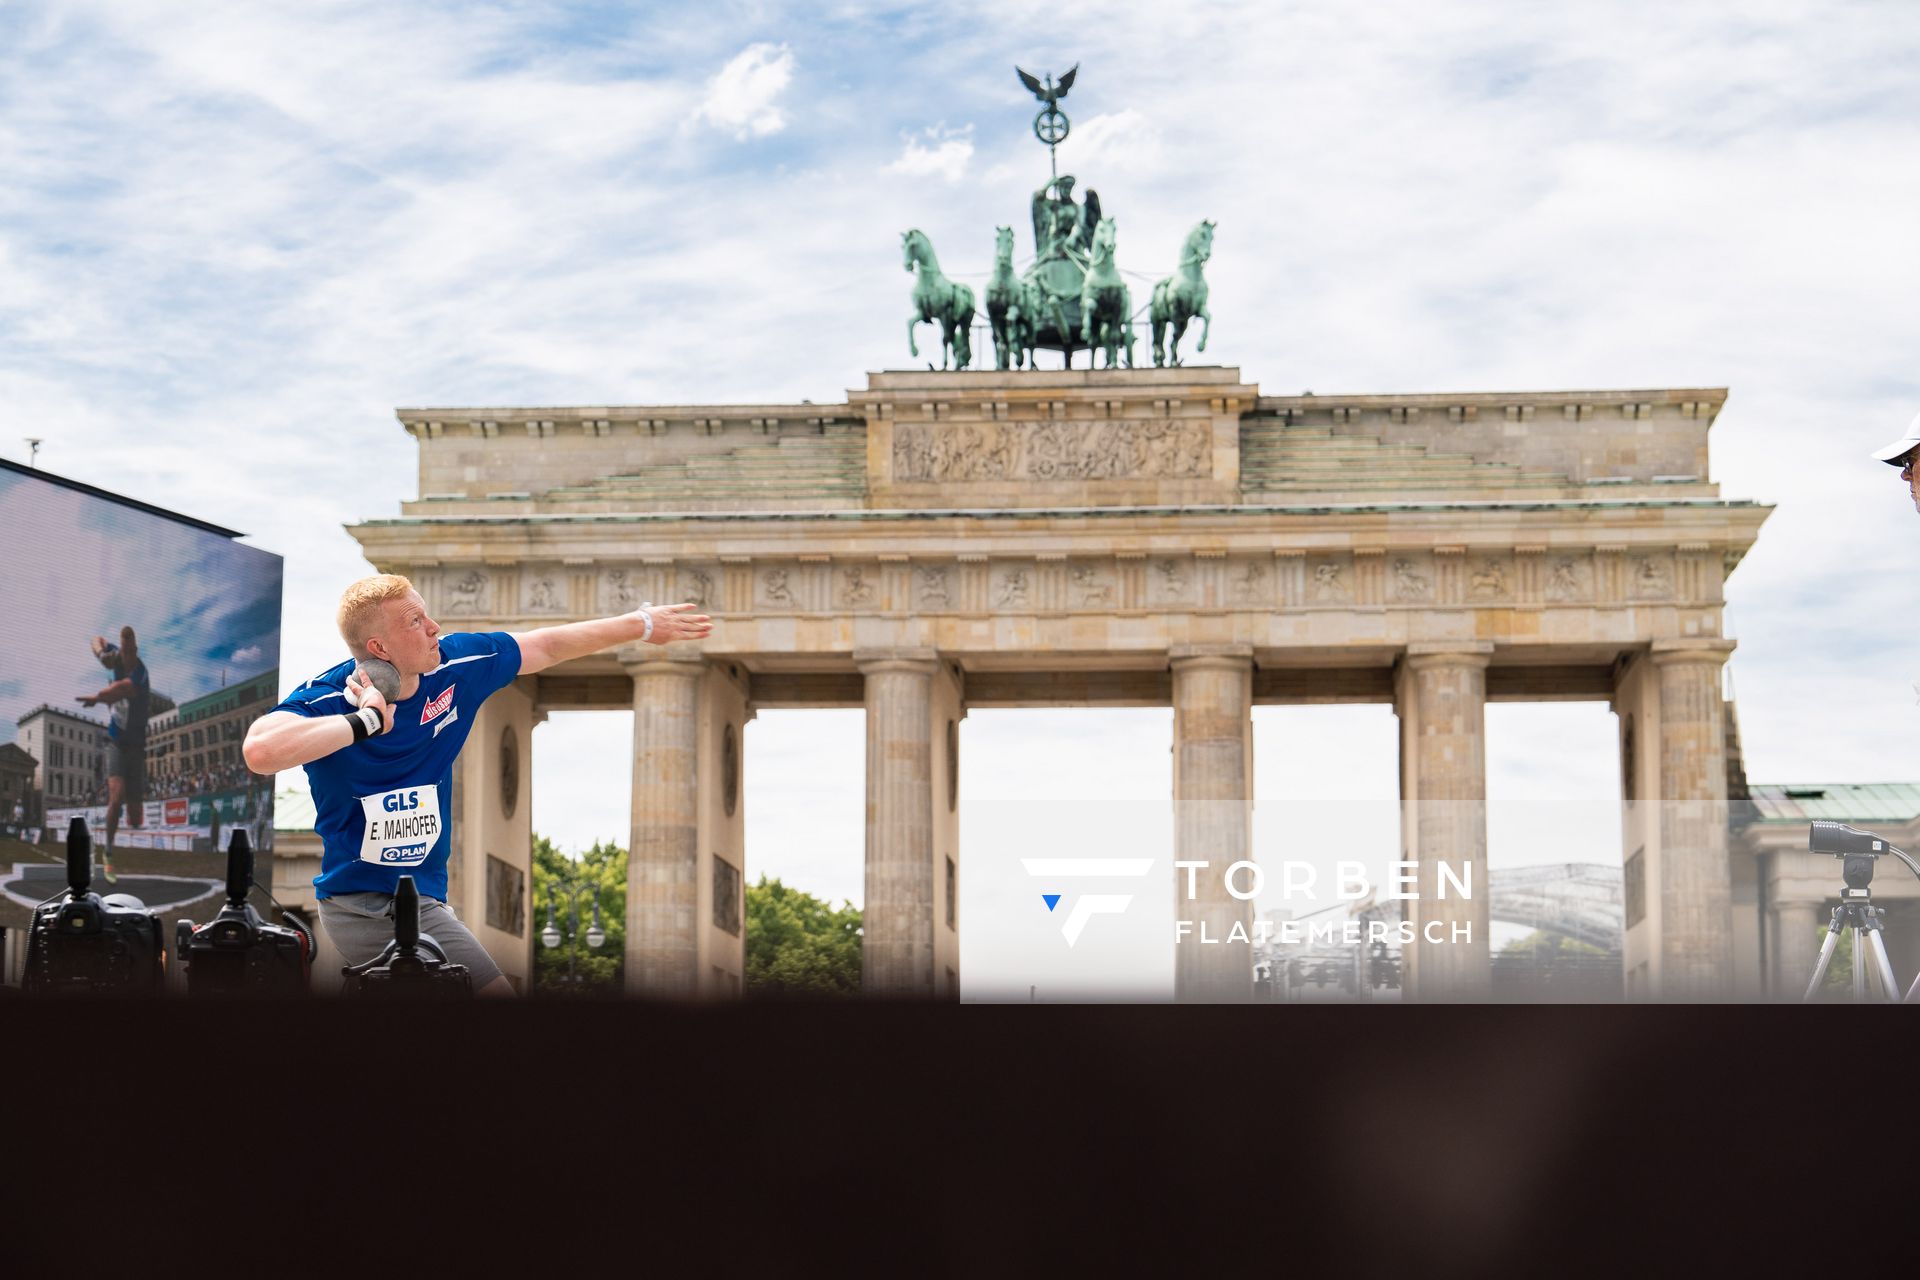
[
  {"x": 112, "y": 693},
  {"x": 550, "y": 645}
]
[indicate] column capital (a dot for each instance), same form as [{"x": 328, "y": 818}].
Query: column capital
[
  {"x": 919, "y": 661},
  {"x": 1425, "y": 655},
  {"x": 1229, "y": 657},
  {"x": 1713, "y": 649},
  {"x": 652, "y": 659}
]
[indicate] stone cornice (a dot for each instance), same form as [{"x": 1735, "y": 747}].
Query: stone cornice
[
  {"x": 1708, "y": 527},
  {"x": 1187, "y": 512},
  {"x": 1711, "y": 650},
  {"x": 1027, "y": 386},
  {"x": 1547, "y": 405}
]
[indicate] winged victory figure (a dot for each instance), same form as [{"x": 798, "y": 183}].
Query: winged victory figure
[{"x": 1049, "y": 93}]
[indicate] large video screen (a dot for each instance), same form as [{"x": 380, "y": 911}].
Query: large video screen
[{"x": 136, "y": 646}]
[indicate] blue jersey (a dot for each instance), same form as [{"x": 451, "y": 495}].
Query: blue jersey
[
  {"x": 129, "y": 719},
  {"x": 381, "y": 806}
]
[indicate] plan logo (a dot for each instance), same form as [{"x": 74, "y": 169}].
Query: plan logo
[
  {"x": 406, "y": 855},
  {"x": 1087, "y": 905}
]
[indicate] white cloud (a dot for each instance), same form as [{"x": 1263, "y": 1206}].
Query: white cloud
[
  {"x": 251, "y": 653},
  {"x": 938, "y": 153},
  {"x": 1122, "y": 141},
  {"x": 743, "y": 97}
]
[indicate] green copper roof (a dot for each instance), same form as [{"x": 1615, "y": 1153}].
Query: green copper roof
[
  {"x": 1837, "y": 801},
  {"x": 293, "y": 809}
]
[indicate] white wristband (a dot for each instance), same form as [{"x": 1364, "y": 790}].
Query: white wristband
[{"x": 646, "y": 612}]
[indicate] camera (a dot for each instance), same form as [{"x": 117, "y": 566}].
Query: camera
[
  {"x": 237, "y": 952},
  {"x": 1857, "y": 848},
  {"x": 413, "y": 964},
  {"x": 84, "y": 944},
  {"x": 1842, "y": 841}
]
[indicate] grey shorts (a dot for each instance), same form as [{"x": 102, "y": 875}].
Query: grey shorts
[
  {"x": 360, "y": 925},
  {"x": 128, "y": 762}
]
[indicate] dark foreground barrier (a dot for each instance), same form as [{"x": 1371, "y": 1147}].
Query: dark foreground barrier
[{"x": 915, "y": 1140}]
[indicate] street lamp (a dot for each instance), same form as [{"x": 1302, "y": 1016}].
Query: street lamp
[{"x": 574, "y": 887}]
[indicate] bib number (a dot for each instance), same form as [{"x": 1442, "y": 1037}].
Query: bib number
[{"x": 402, "y": 826}]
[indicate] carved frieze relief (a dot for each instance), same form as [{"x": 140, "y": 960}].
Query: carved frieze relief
[
  {"x": 544, "y": 593},
  {"x": 1247, "y": 584},
  {"x": 1490, "y": 579},
  {"x": 468, "y": 592},
  {"x": 1092, "y": 585},
  {"x": 1051, "y": 451},
  {"x": 1412, "y": 581},
  {"x": 1012, "y": 587},
  {"x": 1652, "y": 578},
  {"x": 1569, "y": 579},
  {"x": 620, "y": 591},
  {"x": 932, "y": 590},
  {"x": 1331, "y": 584},
  {"x": 695, "y": 587},
  {"x": 856, "y": 587},
  {"x": 1047, "y": 583},
  {"x": 775, "y": 588},
  {"x": 1170, "y": 580}
]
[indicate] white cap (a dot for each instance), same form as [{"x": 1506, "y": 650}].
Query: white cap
[{"x": 1892, "y": 454}]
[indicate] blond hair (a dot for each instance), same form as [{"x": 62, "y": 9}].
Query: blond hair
[{"x": 360, "y": 605}]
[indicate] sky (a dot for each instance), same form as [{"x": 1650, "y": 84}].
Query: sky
[{"x": 233, "y": 238}]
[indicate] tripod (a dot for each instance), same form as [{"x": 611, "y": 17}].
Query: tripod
[
  {"x": 1858, "y": 851},
  {"x": 1857, "y": 912}
]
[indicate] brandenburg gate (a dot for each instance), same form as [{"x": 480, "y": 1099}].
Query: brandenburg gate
[{"x": 1127, "y": 537}]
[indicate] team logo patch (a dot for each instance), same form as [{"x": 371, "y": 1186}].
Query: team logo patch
[{"x": 438, "y": 705}]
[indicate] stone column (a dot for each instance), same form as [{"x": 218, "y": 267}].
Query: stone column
[
  {"x": 897, "y": 946},
  {"x": 1212, "y": 819},
  {"x": 663, "y": 859},
  {"x": 1795, "y": 943},
  {"x": 492, "y": 822},
  {"x": 1441, "y": 696},
  {"x": 1696, "y": 916}
]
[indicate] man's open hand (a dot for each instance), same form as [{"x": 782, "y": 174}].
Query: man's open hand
[{"x": 673, "y": 622}]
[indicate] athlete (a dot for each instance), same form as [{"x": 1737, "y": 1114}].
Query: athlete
[
  {"x": 130, "y": 697},
  {"x": 382, "y": 773}
]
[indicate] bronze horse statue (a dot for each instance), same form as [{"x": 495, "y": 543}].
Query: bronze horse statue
[
  {"x": 1182, "y": 296},
  {"x": 1009, "y": 310},
  {"x": 937, "y": 300},
  {"x": 1106, "y": 304}
]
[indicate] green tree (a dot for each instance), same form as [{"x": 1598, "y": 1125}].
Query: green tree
[
  {"x": 797, "y": 945},
  {"x": 1552, "y": 965},
  {"x": 1541, "y": 947},
  {"x": 602, "y": 970}
]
